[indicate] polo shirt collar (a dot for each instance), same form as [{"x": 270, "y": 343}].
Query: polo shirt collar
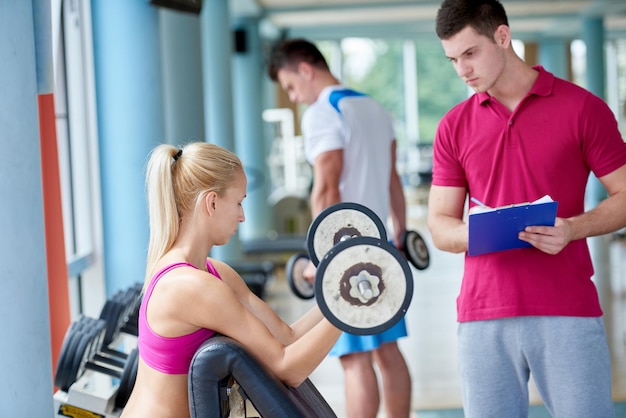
[
  {"x": 544, "y": 82},
  {"x": 542, "y": 86}
]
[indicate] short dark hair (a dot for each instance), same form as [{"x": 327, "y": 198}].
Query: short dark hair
[
  {"x": 484, "y": 16},
  {"x": 290, "y": 53}
]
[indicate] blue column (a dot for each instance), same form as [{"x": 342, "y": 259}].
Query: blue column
[
  {"x": 182, "y": 77},
  {"x": 215, "y": 28},
  {"x": 593, "y": 36},
  {"x": 554, "y": 57},
  {"x": 248, "y": 75},
  {"x": 130, "y": 117},
  {"x": 25, "y": 356}
]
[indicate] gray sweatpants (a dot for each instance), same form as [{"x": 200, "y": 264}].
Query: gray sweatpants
[{"x": 567, "y": 356}]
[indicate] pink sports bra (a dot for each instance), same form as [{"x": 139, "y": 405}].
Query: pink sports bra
[{"x": 170, "y": 355}]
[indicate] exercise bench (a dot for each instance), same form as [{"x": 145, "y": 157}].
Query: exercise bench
[{"x": 220, "y": 361}]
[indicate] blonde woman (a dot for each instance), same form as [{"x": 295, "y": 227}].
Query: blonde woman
[{"x": 194, "y": 197}]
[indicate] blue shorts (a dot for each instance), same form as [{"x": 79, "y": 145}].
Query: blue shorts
[{"x": 350, "y": 343}]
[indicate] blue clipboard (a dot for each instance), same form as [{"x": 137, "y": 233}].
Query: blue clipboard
[{"x": 497, "y": 230}]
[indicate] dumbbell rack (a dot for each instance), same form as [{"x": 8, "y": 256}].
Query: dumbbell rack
[
  {"x": 93, "y": 392},
  {"x": 96, "y": 393}
]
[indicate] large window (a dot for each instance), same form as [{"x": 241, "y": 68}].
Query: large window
[
  {"x": 413, "y": 80},
  {"x": 78, "y": 153},
  {"x": 618, "y": 47}
]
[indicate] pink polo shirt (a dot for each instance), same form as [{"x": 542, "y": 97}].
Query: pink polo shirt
[{"x": 549, "y": 144}]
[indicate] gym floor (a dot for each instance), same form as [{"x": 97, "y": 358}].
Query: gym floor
[{"x": 430, "y": 348}]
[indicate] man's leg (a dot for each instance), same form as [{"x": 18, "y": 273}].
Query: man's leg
[
  {"x": 361, "y": 385},
  {"x": 570, "y": 363},
  {"x": 396, "y": 380},
  {"x": 493, "y": 370}
]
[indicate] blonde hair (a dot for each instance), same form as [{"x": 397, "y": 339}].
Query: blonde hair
[{"x": 176, "y": 180}]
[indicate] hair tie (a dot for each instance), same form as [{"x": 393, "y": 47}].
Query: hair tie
[{"x": 178, "y": 154}]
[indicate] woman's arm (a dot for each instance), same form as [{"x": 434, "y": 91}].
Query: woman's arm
[
  {"x": 209, "y": 303},
  {"x": 279, "y": 329}
]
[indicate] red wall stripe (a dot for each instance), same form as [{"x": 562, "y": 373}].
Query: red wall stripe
[{"x": 58, "y": 286}]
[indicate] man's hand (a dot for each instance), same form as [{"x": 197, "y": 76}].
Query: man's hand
[
  {"x": 309, "y": 273},
  {"x": 549, "y": 239},
  {"x": 398, "y": 239}
]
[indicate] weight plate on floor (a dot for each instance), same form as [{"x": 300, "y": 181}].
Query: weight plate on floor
[
  {"x": 385, "y": 295},
  {"x": 339, "y": 222}
]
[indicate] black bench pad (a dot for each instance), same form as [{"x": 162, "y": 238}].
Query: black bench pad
[{"x": 220, "y": 358}]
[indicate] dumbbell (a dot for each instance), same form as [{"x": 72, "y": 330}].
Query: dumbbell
[
  {"x": 120, "y": 313},
  {"x": 347, "y": 219},
  {"x": 294, "y": 270},
  {"x": 363, "y": 284},
  {"x": 82, "y": 350},
  {"x": 415, "y": 249},
  {"x": 336, "y": 223},
  {"x": 86, "y": 344}
]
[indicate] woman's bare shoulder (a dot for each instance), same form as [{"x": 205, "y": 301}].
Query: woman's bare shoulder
[{"x": 185, "y": 293}]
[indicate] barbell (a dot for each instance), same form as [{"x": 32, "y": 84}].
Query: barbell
[
  {"x": 346, "y": 219},
  {"x": 363, "y": 284}
]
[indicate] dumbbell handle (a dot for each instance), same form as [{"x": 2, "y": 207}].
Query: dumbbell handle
[
  {"x": 364, "y": 286},
  {"x": 101, "y": 369},
  {"x": 108, "y": 360},
  {"x": 114, "y": 353}
]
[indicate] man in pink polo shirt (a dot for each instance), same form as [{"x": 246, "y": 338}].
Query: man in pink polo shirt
[{"x": 522, "y": 135}]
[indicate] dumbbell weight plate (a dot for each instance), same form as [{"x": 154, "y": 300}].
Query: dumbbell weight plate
[
  {"x": 127, "y": 380},
  {"x": 112, "y": 313},
  {"x": 294, "y": 270},
  {"x": 81, "y": 356},
  {"x": 416, "y": 250},
  {"x": 341, "y": 220},
  {"x": 130, "y": 326},
  {"x": 68, "y": 349},
  {"x": 379, "y": 260}
]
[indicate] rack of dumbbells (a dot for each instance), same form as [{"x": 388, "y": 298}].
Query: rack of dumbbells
[{"x": 97, "y": 365}]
